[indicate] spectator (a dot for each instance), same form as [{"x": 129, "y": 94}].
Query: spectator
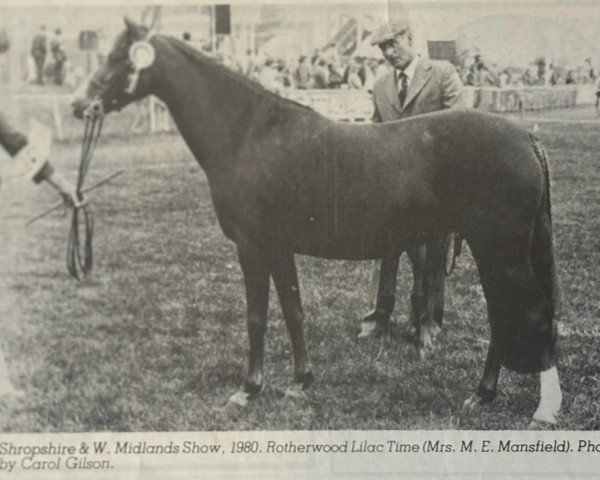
[
  {"x": 315, "y": 57},
  {"x": 570, "y": 78},
  {"x": 39, "y": 48},
  {"x": 267, "y": 76},
  {"x": 59, "y": 56},
  {"x": 354, "y": 81},
  {"x": 321, "y": 75},
  {"x": 590, "y": 73},
  {"x": 283, "y": 76},
  {"x": 302, "y": 74},
  {"x": 330, "y": 54},
  {"x": 485, "y": 77},
  {"x": 335, "y": 77},
  {"x": 528, "y": 78},
  {"x": 541, "y": 70},
  {"x": 598, "y": 100},
  {"x": 504, "y": 78}
]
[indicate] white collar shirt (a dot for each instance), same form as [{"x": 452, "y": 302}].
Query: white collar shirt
[{"x": 409, "y": 72}]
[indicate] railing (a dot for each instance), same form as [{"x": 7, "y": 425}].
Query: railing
[
  {"x": 339, "y": 104},
  {"x": 521, "y": 98},
  {"x": 357, "y": 106}
]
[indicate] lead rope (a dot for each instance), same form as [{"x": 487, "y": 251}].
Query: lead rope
[{"x": 80, "y": 264}]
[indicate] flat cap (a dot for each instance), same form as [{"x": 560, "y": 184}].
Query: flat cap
[{"x": 389, "y": 30}]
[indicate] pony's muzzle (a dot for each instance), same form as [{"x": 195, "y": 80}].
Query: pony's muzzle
[{"x": 79, "y": 106}]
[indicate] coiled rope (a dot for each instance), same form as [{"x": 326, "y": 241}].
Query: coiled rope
[{"x": 80, "y": 258}]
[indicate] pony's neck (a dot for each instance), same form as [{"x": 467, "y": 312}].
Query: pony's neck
[{"x": 213, "y": 109}]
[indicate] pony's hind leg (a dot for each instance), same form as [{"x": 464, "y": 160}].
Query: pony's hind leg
[
  {"x": 521, "y": 318},
  {"x": 286, "y": 281},
  {"x": 550, "y": 398},
  {"x": 256, "y": 279}
]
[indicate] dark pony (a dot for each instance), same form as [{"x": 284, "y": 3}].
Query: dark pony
[{"x": 285, "y": 180}]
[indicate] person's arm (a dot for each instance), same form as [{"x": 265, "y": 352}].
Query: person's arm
[
  {"x": 33, "y": 161},
  {"x": 42, "y": 170},
  {"x": 376, "y": 117},
  {"x": 453, "y": 94}
]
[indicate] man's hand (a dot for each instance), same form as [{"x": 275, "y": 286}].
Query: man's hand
[
  {"x": 71, "y": 199},
  {"x": 67, "y": 190}
]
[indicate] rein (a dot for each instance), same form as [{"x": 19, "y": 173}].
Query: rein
[{"x": 80, "y": 254}]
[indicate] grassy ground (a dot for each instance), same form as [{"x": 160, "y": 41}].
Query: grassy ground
[{"x": 156, "y": 338}]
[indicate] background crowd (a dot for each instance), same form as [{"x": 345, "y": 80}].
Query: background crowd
[
  {"x": 49, "y": 63},
  {"x": 324, "y": 71}
]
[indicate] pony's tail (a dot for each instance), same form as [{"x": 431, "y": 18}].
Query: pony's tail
[{"x": 542, "y": 244}]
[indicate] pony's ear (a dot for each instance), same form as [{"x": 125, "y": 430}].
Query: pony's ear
[{"x": 135, "y": 30}]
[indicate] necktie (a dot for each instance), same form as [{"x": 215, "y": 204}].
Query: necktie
[{"x": 402, "y": 87}]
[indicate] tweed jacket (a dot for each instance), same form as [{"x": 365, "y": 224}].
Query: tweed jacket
[{"x": 434, "y": 86}]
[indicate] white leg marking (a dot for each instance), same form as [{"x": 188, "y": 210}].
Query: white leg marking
[
  {"x": 296, "y": 392},
  {"x": 550, "y": 397},
  {"x": 239, "y": 398}
]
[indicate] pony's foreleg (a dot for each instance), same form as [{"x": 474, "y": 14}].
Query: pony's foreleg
[
  {"x": 428, "y": 286},
  {"x": 286, "y": 281},
  {"x": 256, "y": 279},
  {"x": 417, "y": 257},
  {"x": 521, "y": 318},
  {"x": 378, "y": 320},
  {"x": 435, "y": 281}
]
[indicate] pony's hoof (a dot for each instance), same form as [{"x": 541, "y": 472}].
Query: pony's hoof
[
  {"x": 543, "y": 420},
  {"x": 425, "y": 352},
  {"x": 368, "y": 329},
  {"x": 296, "y": 392},
  {"x": 374, "y": 324},
  {"x": 239, "y": 399},
  {"x": 472, "y": 403},
  {"x": 539, "y": 424}
]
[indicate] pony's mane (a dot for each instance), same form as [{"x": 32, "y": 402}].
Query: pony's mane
[{"x": 227, "y": 73}]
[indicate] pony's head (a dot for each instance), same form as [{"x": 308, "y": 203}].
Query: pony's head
[{"x": 123, "y": 78}]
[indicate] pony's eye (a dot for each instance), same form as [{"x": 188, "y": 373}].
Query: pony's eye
[{"x": 106, "y": 77}]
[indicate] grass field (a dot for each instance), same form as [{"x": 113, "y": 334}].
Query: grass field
[{"x": 156, "y": 338}]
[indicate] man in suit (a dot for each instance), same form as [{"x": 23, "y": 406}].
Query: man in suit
[{"x": 414, "y": 86}]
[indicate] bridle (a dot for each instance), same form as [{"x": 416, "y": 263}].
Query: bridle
[
  {"x": 80, "y": 254},
  {"x": 141, "y": 55},
  {"x": 79, "y": 250}
]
